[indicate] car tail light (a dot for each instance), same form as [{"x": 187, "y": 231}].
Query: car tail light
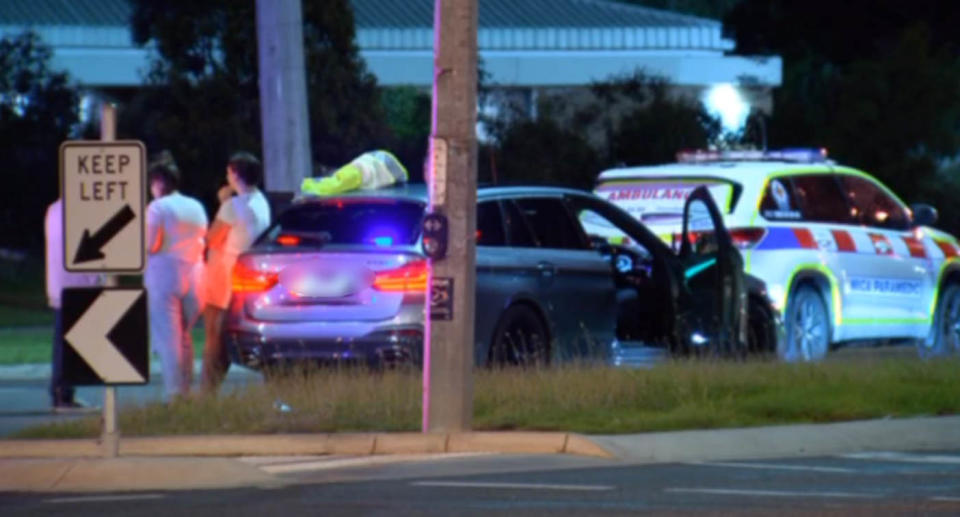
[
  {"x": 411, "y": 277},
  {"x": 248, "y": 280},
  {"x": 747, "y": 237},
  {"x": 288, "y": 240},
  {"x": 692, "y": 237}
]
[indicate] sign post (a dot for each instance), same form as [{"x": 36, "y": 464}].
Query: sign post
[
  {"x": 103, "y": 187},
  {"x": 105, "y": 344}
]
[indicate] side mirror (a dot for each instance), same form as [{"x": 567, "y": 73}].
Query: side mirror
[{"x": 923, "y": 214}]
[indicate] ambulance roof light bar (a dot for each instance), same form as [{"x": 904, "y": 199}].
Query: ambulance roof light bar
[{"x": 795, "y": 154}]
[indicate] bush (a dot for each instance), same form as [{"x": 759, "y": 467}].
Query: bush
[{"x": 634, "y": 120}]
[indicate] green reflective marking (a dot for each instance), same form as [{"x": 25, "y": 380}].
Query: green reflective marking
[
  {"x": 834, "y": 288},
  {"x": 936, "y": 290},
  {"x": 886, "y": 321}
]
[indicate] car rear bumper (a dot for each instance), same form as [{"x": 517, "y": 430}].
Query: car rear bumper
[{"x": 388, "y": 347}]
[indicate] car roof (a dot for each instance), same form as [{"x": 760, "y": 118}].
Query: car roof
[
  {"x": 527, "y": 190},
  {"x": 418, "y": 192}
]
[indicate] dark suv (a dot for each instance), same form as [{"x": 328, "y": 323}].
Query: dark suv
[{"x": 561, "y": 274}]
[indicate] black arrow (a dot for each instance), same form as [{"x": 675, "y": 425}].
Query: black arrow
[{"x": 90, "y": 245}]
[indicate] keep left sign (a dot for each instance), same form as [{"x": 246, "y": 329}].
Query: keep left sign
[{"x": 104, "y": 190}]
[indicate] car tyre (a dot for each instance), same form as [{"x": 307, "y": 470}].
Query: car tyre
[
  {"x": 520, "y": 339},
  {"x": 945, "y": 333},
  {"x": 761, "y": 331},
  {"x": 807, "y": 326}
]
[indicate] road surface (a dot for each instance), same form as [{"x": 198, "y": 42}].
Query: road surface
[{"x": 877, "y": 483}]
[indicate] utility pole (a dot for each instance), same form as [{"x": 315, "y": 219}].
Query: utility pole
[
  {"x": 448, "y": 349},
  {"x": 283, "y": 95}
]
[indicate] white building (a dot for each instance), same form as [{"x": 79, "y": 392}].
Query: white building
[{"x": 525, "y": 44}]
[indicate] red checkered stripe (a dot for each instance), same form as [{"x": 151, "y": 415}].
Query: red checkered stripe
[
  {"x": 949, "y": 249},
  {"x": 867, "y": 242}
]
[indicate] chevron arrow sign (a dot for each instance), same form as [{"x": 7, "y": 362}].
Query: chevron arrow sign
[{"x": 105, "y": 336}]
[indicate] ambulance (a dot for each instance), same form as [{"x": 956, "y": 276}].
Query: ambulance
[{"x": 843, "y": 258}]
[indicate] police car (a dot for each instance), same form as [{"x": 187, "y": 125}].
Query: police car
[{"x": 844, "y": 259}]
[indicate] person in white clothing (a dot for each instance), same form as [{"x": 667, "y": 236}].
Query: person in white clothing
[
  {"x": 176, "y": 229},
  {"x": 243, "y": 215},
  {"x": 61, "y": 393}
]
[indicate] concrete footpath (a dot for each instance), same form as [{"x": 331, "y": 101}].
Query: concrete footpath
[
  {"x": 191, "y": 462},
  {"x": 129, "y": 474},
  {"x": 787, "y": 441}
]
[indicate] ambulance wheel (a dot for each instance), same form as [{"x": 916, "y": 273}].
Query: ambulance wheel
[
  {"x": 807, "y": 326},
  {"x": 945, "y": 334}
]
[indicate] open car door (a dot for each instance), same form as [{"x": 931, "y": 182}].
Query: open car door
[{"x": 712, "y": 312}]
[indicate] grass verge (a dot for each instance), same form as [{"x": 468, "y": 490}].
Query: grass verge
[
  {"x": 16, "y": 316},
  {"x": 24, "y": 346},
  {"x": 25, "y": 334},
  {"x": 586, "y": 399},
  {"x": 22, "y": 282},
  {"x": 33, "y": 344}
]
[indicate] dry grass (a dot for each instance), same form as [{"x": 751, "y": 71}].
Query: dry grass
[
  {"x": 581, "y": 398},
  {"x": 692, "y": 395}
]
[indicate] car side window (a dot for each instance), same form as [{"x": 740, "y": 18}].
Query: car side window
[
  {"x": 490, "y": 225},
  {"x": 518, "y": 232},
  {"x": 779, "y": 202},
  {"x": 552, "y": 224},
  {"x": 820, "y": 199},
  {"x": 601, "y": 231},
  {"x": 701, "y": 230},
  {"x": 870, "y": 205}
]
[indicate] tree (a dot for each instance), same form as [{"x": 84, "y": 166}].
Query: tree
[
  {"x": 541, "y": 151},
  {"x": 904, "y": 107},
  {"x": 878, "y": 84},
  {"x": 634, "y": 119},
  {"x": 837, "y": 32},
  {"x": 640, "y": 119},
  {"x": 203, "y": 102},
  {"x": 407, "y": 112},
  {"x": 646, "y": 123},
  {"x": 38, "y": 110}
]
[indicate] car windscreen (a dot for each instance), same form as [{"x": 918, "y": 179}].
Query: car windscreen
[
  {"x": 661, "y": 200},
  {"x": 348, "y": 222}
]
